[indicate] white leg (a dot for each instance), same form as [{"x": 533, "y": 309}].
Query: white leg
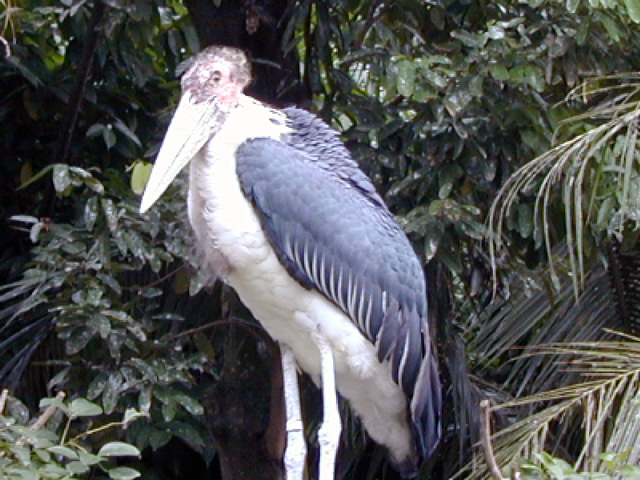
[
  {"x": 329, "y": 434},
  {"x": 296, "y": 450}
]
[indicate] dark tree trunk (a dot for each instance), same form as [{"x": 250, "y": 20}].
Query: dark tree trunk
[
  {"x": 245, "y": 407},
  {"x": 258, "y": 27}
]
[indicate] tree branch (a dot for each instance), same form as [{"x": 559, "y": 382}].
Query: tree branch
[
  {"x": 47, "y": 414},
  {"x": 485, "y": 407}
]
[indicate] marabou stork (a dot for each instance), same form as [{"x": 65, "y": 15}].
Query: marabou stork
[{"x": 283, "y": 214}]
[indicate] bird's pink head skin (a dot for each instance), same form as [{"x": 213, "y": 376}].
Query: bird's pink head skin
[
  {"x": 217, "y": 72},
  {"x": 210, "y": 90}
]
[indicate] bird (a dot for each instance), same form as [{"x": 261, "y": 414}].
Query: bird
[{"x": 282, "y": 213}]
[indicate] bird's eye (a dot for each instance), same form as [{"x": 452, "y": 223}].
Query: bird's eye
[{"x": 216, "y": 75}]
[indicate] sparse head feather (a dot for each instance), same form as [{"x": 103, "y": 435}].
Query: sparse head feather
[{"x": 217, "y": 72}]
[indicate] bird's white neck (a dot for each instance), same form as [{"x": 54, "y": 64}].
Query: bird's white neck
[
  {"x": 215, "y": 196},
  {"x": 250, "y": 115}
]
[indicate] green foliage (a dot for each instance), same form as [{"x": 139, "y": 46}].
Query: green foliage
[
  {"x": 549, "y": 467},
  {"x": 69, "y": 446},
  {"x": 117, "y": 347},
  {"x": 596, "y": 171}
]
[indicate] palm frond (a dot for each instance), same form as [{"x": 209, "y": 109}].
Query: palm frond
[
  {"x": 597, "y": 179},
  {"x": 611, "y": 392},
  {"x": 509, "y": 332}
]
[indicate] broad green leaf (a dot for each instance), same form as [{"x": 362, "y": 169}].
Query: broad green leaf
[
  {"x": 139, "y": 176},
  {"x": 123, "y": 473},
  {"x": 95, "y": 129},
  {"x": 51, "y": 470},
  {"x": 470, "y": 39},
  {"x": 109, "y": 137},
  {"x": 61, "y": 177},
  {"x": 158, "y": 438},
  {"x": 22, "y": 453},
  {"x": 63, "y": 451},
  {"x": 145, "y": 369},
  {"x": 127, "y": 132},
  {"x": 45, "y": 402},
  {"x": 610, "y": 25},
  {"x": 17, "y": 410},
  {"x": 77, "y": 468},
  {"x": 111, "y": 212},
  {"x": 97, "y": 385},
  {"x": 112, "y": 389},
  {"x": 169, "y": 410},
  {"x": 476, "y": 86},
  {"x": 42, "y": 454},
  {"x": 432, "y": 238},
  {"x": 190, "y": 404},
  {"x": 188, "y": 433},
  {"x": 131, "y": 414},
  {"x": 79, "y": 339},
  {"x": 633, "y": 9},
  {"x": 102, "y": 324},
  {"x": 135, "y": 243},
  {"x": 495, "y": 32},
  {"x": 81, "y": 407},
  {"x": 118, "y": 449},
  {"x": 445, "y": 190},
  {"x": 89, "y": 458},
  {"x": 91, "y": 213},
  {"x": 405, "y": 77},
  {"x": 110, "y": 282}
]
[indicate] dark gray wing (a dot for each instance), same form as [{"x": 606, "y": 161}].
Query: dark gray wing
[
  {"x": 313, "y": 136},
  {"x": 333, "y": 236}
]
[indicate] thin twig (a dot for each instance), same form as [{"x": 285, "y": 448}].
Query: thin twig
[
  {"x": 172, "y": 273},
  {"x": 47, "y": 414},
  {"x": 252, "y": 327},
  {"x": 82, "y": 79},
  {"x": 485, "y": 407},
  {"x": 3, "y": 400}
]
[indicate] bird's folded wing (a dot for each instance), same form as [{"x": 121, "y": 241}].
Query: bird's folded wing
[
  {"x": 331, "y": 238},
  {"x": 334, "y": 238}
]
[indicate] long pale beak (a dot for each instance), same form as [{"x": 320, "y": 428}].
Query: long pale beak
[{"x": 191, "y": 126}]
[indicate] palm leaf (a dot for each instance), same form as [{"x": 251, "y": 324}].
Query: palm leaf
[
  {"x": 595, "y": 173},
  {"x": 613, "y": 368}
]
